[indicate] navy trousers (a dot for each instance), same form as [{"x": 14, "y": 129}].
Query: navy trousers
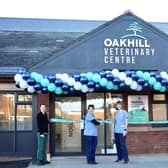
[
  {"x": 91, "y": 144},
  {"x": 122, "y": 152}
]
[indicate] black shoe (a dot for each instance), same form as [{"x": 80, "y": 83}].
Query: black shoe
[
  {"x": 40, "y": 163},
  {"x": 126, "y": 161},
  {"x": 46, "y": 162},
  {"x": 92, "y": 162},
  {"x": 118, "y": 160}
]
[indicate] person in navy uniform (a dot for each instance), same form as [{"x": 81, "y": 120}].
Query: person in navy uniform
[
  {"x": 42, "y": 135},
  {"x": 120, "y": 131},
  {"x": 90, "y": 132}
]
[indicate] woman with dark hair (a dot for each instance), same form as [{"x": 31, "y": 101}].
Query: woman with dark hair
[{"x": 90, "y": 133}]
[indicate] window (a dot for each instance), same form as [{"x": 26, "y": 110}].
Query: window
[
  {"x": 24, "y": 98},
  {"x": 24, "y": 117},
  {"x": 138, "y": 108},
  {"x": 7, "y": 112},
  {"x": 159, "y": 107},
  {"x": 159, "y": 112}
]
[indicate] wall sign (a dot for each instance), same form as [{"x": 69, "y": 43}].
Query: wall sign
[
  {"x": 138, "y": 108},
  {"x": 125, "y": 49}
]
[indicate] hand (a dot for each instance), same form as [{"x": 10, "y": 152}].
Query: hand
[
  {"x": 42, "y": 135},
  {"x": 125, "y": 133}
]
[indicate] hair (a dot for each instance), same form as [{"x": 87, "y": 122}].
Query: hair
[
  {"x": 119, "y": 102},
  {"x": 91, "y": 106}
]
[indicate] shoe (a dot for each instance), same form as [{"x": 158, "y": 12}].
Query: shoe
[
  {"x": 40, "y": 163},
  {"x": 126, "y": 161},
  {"x": 92, "y": 162},
  {"x": 46, "y": 162},
  {"x": 118, "y": 160}
]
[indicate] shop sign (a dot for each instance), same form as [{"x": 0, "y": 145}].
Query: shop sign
[
  {"x": 138, "y": 108},
  {"x": 128, "y": 47}
]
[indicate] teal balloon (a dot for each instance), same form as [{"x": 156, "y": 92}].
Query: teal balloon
[
  {"x": 89, "y": 75},
  {"x": 152, "y": 81},
  {"x": 110, "y": 85},
  {"x": 96, "y": 78},
  {"x": 103, "y": 82},
  {"x": 38, "y": 78},
  {"x": 139, "y": 73},
  {"x": 58, "y": 91},
  {"x": 45, "y": 82},
  {"x": 51, "y": 87},
  {"x": 163, "y": 89},
  {"x": 115, "y": 87},
  {"x": 33, "y": 75},
  {"x": 157, "y": 86},
  {"x": 146, "y": 76}
]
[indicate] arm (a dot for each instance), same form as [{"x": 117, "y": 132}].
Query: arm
[
  {"x": 126, "y": 123},
  {"x": 95, "y": 122}
]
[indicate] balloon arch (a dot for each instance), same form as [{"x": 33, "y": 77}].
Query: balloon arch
[{"x": 91, "y": 81}]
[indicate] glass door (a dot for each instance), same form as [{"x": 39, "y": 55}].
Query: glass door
[{"x": 68, "y": 128}]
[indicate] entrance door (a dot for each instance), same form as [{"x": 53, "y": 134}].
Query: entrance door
[{"x": 68, "y": 129}]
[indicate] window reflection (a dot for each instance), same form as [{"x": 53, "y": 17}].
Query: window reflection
[
  {"x": 7, "y": 112},
  {"x": 24, "y": 117},
  {"x": 68, "y": 135}
]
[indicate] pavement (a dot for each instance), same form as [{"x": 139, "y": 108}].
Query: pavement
[{"x": 136, "y": 161}]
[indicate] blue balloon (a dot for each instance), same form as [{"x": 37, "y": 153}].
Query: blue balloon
[
  {"x": 51, "y": 78},
  {"x": 83, "y": 80},
  {"x": 25, "y": 75},
  {"x": 17, "y": 85},
  {"x": 90, "y": 84},
  {"x": 58, "y": 82},
  {"x": 31, "y": 81},
  {"x": 158, "y": 77},
  {"x": 65, "y": 87},
  {"x": 97, "y": 87},
  {"x": 141, "y": 81},
  {"x": 22, "y": 70},
  {"x": 146, "y": 86},
  {"x": 37, "y": 87},
  {"x": 152, "y": 73},
  {"x": 116, "y": 81},
  {"x": 123, "y": 86},
  {"x": 109, "y": 76},
  {"x": 164, "y": 82},
  {"x": 76, "y": 77},
  {"x": 44, "y": 90},
  {"x": 134, "y": 76},
  {"x": 128, "y": 73},
  {"x": 163, "y": 89},
  {"x": 102, "y": 73},
  {"x": 72, "y": 90}
]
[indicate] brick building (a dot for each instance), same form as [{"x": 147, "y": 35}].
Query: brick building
[{"x": 67, "y": 64}]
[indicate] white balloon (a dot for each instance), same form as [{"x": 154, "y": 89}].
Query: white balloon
[
  {"x": 115, "y": 72},
  {"x": 70, "y": 81},
  {"x": 58, "y": 75},
  {"x": 163, "y": 74},
  {"x": 18, "y": 77},
  {"x": 23, "y": 84},
  {"x": 30, "y": 89},
  {"x": 139, "y": 88},
  {"x": 77, "y": 85},
  {"x": 84, "y": 88},
  {"x": 134, "y": 85},
  {"x": 128, "y": 81},
  {"x": 122, "y": 76}
]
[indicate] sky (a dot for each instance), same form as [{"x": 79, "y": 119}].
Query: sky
[{"x": 149, "y": 10}]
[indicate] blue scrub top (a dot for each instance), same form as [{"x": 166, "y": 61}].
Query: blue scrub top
[
  {"x": 90, "y": 128},
  {"x": 121, "y": 116}
]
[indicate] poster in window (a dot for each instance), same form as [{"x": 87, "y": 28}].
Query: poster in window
[{"x": 138, "y": 108}]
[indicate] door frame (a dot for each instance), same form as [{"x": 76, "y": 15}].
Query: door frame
[{"x": 52, "y": 144}]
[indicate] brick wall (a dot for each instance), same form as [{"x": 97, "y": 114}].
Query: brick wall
[{"x": 147, "y": 142}]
